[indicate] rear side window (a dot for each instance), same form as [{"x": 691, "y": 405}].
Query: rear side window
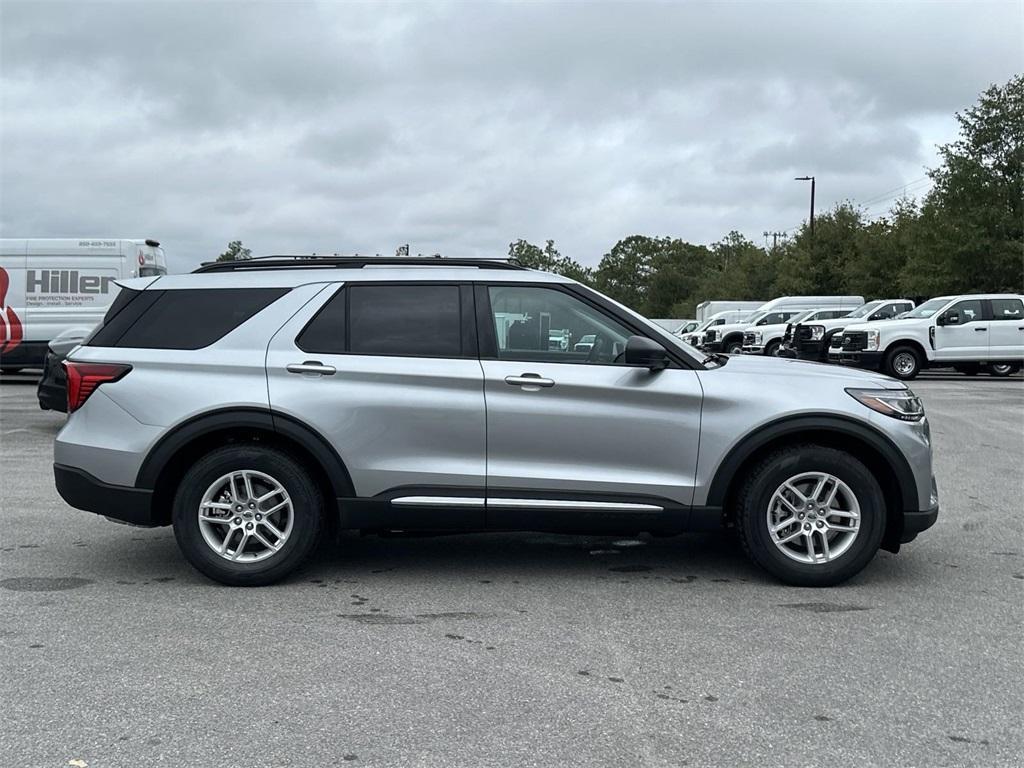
[
  {"x": 183, "y": 319},
  {"x": 410, "y": 320},
  {"x": 325, "y": 333},
  {"x": 1007, "y": 309}
]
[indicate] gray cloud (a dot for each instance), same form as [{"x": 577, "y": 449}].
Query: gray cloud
[{"x": 457, "y": 127}]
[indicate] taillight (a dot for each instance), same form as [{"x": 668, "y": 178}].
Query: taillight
[{"x": 83, "y": 378}]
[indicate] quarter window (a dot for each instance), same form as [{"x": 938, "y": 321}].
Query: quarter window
[
  {"x": 1007, "y": 309},
  {"x": 548, "y": 325}
]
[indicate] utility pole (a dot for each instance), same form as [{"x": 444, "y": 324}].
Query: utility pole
[
  {"x": 810, "y": 179},
  {"x": 775, "y": 239}
]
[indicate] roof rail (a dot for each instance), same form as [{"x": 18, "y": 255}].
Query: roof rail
[{"x": 350, "y": 262}]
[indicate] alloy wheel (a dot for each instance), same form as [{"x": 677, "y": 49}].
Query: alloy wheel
[
  {"x": 246, "y": 516},
  {"x": 813, "y": 518}
]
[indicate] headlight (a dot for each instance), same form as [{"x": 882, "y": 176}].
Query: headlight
[
  {"x": 757, "y": 337},
  {"x": 817, "y": 332},
  {"x": 872, "y": 340},
  {"x": 901, "y": 404}
]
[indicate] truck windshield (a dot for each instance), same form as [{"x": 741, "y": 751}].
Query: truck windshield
[
  {"x": 866, "y": 309},
  {"x": 927, "y": 309}
]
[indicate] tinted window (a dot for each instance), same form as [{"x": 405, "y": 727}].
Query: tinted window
[
  {"x": 326, "y": 331},
  {"x": 410, "y": 320},
  {"x": 185, "y": 319},
  {"x": 548, "y": 325},
  {"x": 774, "y": 318},
  {"x": 1007, "y": 309}
]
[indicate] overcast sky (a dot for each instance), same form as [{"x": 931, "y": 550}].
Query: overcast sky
[{"x": 458, "y": 127}]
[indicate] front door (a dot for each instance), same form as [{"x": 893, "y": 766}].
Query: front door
[
  {"x": 388, "y": 374},
  {"x": 965, "y": 334},
  {"x": 576, "y": 438}
]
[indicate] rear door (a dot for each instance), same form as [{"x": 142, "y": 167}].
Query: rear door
[
  {"x": 388, "y": 374},
  {"x": 965, "y": 334},
  {"x": 577, "y": 439},
  {"x": 1006, "y": 329}
]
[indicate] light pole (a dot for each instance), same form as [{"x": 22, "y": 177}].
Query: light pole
[{"x": 810, "y": 179}]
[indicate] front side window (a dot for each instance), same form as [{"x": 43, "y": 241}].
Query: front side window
[
  {"x": 964, "y": 312},
  {"x": 1007, "y": 309},
  {"x": 775, "y": 318},
  {"x": 928, "y": 309},
  {"x": 548, "y": 325}
]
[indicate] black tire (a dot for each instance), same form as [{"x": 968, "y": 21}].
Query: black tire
[
  {"x": 1002, "y": 369},
  {"x": 733, "y": 346},
  {"x": 772, "y": 350},
  {"x": 755, "y": 497},
  {"x": 971, "y": 369},
  {"x": 903, "y": 363},
  {"x": 307, "y": 506}
]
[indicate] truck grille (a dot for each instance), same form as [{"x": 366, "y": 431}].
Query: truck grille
[
  {"x": 855, "y": 341},
  {"x": 836, "y": 342}
]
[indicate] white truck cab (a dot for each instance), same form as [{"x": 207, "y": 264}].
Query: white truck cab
[
  {"x": 728, "y": 338},
  {"x": 48, "y": 286},
  {"x": 967, "y": 332},
  {"x": 766, "y": 339}
]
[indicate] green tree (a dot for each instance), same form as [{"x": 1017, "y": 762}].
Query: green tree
[
  {"x": 971, "y": 228},
  {"x": 235, "y": 252},
  {"x": 548, "y": 259},
  {"x": 736, "y": 268}
]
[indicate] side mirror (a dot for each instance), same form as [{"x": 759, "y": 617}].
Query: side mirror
[
  {"x": 950, "y": 318},
  {"x": 645, "y": 353}
]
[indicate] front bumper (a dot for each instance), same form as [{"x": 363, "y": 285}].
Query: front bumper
[
  {"x": 871, "y": 360},
  {"x": 83, "y": 491},
  {"x": 711, "y": 346},
  {"x": 916, "y": 521},
  {"x": 810, "y": 350},
  {"x": 753, "y": 350}
]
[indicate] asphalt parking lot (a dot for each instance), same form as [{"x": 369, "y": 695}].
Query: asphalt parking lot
[{"x": 518, "y": 650}]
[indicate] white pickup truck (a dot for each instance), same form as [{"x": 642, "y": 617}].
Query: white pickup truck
[
  {"x": 767, "y": 339},
  {"x": 809, "y": 339},
  {"x": 969, "y": 333}
]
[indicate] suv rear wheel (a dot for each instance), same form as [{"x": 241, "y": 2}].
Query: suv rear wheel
[
  {"x": 810, "y": 515},
  {"x": 903, "y": 363},
  {"x": 247, "y": 515}
]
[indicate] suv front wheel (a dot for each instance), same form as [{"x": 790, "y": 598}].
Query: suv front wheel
[
  {"x": 812, "y": 516},
  {"x": 247, "y": 515}
]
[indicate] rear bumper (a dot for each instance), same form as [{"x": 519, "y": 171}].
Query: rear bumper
[
  {"x": 872, "y": 360},
  {"x": 83, "y": 491}
]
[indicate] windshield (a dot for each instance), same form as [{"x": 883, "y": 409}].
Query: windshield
[
  {"x": 866, "y": 310},
  {"x": 802, "y": 316},
  {"x": 928, "y": 309}
]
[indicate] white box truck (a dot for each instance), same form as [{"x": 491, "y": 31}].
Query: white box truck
[
  {"x": 708, "y": 308},
  {"x": 48, "y": 286}
]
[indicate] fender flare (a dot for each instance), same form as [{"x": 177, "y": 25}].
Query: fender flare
[
  {"x": 835, "y": 425},
  {"x": 242, "y": 418}
]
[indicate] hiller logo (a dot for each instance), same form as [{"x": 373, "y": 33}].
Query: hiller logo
[
  {"x": 10, "y": 325},
  {"x": 65, "y": 281}
]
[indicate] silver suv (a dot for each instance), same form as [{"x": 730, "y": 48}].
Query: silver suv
[{"x": 257, "y": 405}]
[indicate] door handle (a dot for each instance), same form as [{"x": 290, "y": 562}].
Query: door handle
[
  {"x": 981, "y": 330},
  {"x": 531, "y": 382},
  {"x": 311, "y": 366}
]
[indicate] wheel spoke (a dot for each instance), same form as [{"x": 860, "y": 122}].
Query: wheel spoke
[
  {"x": 831, "y": 495},
  {"x": 796, "y": 492},
  {"x": 241, "y": 545},
  {"x": 843, "y": 513},
  {"x": 264, "y": 540},
  {"x": 269, "y": 495},
  {"x": 227, "y": 540},
  {"x": 784, "y": 524},
  {"x": 824, "y": 546},
  {"x": 272, "y": 528},
  {"x": 819, "y": 487},
  {"x": 788, "y": 538},
  {"x": 275, "y": 508},
  {"x": 789, "y": 504},
  {"x": 248, "y": 486},
  {"x": 809, "y": 541}
]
